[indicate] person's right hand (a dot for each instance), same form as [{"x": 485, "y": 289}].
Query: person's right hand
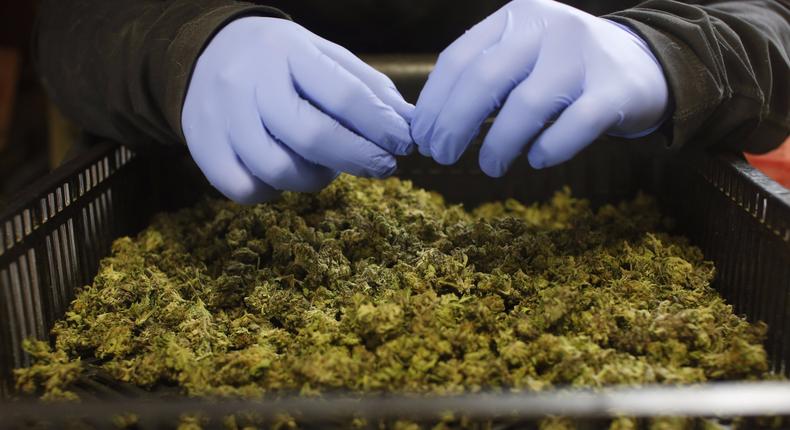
[
  {"x": 272, "y": 107},
  {"x": 535, "y": 61}
]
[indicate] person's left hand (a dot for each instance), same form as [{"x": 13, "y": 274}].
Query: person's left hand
[
  {"x": 272, "y": 107},
  {"x": 538, "y": 60}
]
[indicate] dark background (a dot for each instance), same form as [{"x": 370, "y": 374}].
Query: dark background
[
  {"x": 23, "y": 105},
  {"x": 404, "y": 25}
]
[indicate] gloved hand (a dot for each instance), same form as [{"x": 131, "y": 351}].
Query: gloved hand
[
  {"x": 538, "y": 60},
  {"x": 271, "y": 107}
]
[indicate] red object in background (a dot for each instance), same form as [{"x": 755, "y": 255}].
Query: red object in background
[{"x": 775, "y": 164}]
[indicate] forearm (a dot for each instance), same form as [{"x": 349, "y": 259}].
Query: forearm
[
  {"x": 727, "y": 66},
  {"x": 120, "y": 68}
]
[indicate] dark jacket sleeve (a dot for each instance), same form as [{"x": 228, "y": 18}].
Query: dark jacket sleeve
[
  {"x": 120, "y": 68},
  {"x": 727, "y": 66}
]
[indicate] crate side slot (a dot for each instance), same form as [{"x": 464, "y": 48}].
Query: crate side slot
[
  {"x": 9, "y": 336},
  {"x": 32, "y": 289}
]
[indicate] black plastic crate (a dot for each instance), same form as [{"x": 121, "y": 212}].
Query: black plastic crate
[{"x": 53, "y": 235}]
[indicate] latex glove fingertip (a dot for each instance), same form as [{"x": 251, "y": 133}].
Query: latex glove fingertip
[{"x": 536, "y": 159}]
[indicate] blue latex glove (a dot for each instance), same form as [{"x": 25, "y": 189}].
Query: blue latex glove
[
  {"x": 272, "y": 107},
  {"x": 538, "y": 60}
]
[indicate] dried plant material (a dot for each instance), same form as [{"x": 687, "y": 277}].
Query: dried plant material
[
  {"x": 376, "y": 286},
  {"x": 52, "y": 372}
]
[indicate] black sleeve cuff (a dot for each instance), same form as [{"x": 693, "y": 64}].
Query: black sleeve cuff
[
  {"x": 726, "y": 67},
  {"x": 188, "y": 44},
  {"x": 693, "y": 95}
]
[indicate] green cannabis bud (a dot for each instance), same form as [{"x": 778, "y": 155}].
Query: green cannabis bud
[{"x": 376, "y": 286}]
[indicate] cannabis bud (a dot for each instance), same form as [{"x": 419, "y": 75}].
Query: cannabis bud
[{"x": 376, "y": 286}]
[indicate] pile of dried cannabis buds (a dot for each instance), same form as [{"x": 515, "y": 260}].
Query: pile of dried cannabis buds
[{"x": 376, "y": 286}]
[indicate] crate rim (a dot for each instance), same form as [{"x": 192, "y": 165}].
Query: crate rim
[
  {"x": 59, "y": 175},
  {"x": 775, "y": 194},
  {"x": 713, "y": 399}
]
